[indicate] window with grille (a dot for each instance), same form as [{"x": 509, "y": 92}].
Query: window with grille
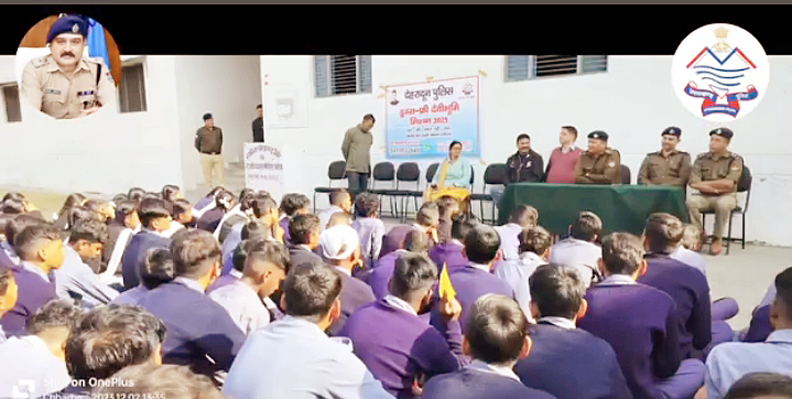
[
  {"x": 524, "y": 67},
  {"x": 132, "y": 90},
  {"x": 342, "y": 74},
  {"x": 13, "y": 108}
]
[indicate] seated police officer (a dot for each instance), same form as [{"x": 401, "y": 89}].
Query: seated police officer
[
  {"x": 599, "y": 164},
  {"x": 668, "y": 166}
]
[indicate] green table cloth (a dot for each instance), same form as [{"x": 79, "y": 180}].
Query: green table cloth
[{"x": 622, "y": 208}]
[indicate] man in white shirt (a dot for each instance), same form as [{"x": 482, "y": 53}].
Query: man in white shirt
[
  {"x": 294, "y": 358},
  {"x": 522, "y": 217},
  {"x": 580, "y": 249},
  {"x": 340, "y": 201},
  {"x": 34, "y": 364},
  {"x": 730, "y": 361},
  {"x": 535, "y": 245},
  {"x": 266, "y": 265}
]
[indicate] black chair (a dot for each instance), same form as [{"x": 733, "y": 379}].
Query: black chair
[
  {"x": 625, "y": 175},
  {"x": 430, "y": 172},
  {"x": 384, "y": 172},
  {"x": 743, "y": 186},
  {"x": 495, "y": 174},
  {"x": 410, "y": 173},
  {"x": 335, "y": 172}
]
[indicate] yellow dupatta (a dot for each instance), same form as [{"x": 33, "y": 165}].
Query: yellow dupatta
[{"x": 432, "y": 194}]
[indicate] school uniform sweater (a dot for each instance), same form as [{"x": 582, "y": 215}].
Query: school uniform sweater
[
  {"x": 34, "y": 292},
  {"x": 475, "y": 384},
  {"x": 379, "y": 278},
  {"x": 561, "y": 167},
  {"x": 690, "y": 291},
  {"x": 394, "y": 238},
  {"x": 354, "y": 295},
  {"x": 397, "y": 346},
  {"x": 640, "y": 324},
  {"x": 134, "y": 258},
  {"x": 210, "y": 219},
  {"x": 449, "y": 253},
  {"x": 760, "y": 327},
  {"x": 197, "y": 327},
  {"x": 571, "y": 363}
]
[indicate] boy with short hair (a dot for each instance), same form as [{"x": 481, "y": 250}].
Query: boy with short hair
[
  {"x": 580, "y": 249},
  {"x": 451, "y": 251},
  {"x": 522, "y": 217},
  {"x": 340, "y": 201},
  {"x": 338, "y": 219},
  {"x": 535, "y": 245},
  {"x": 305, "y": 232},
  {"x": 155, "y": 218},
  {"x": 449, "y": 210},
  {"x": 369, "y": 227},
  {"x": 292, "y": 204}
]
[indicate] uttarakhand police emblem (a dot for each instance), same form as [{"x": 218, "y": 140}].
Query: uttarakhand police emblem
[
  {"x": 75, "y": 28},
  {"x": 467, "y": 89},
  {"x": 720, "y": 72}
]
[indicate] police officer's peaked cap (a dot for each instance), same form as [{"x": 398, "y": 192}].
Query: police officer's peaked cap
[
  {"x": 673, "y": 131},
  {"x": 598, "y": 134},
  {"x": 206, "y": 117},
  {"x": 724, "y": 132},
  {"x": 68, "y": 24}
]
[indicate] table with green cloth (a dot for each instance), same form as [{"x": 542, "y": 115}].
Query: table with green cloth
[{"x": 622, "y": 208}]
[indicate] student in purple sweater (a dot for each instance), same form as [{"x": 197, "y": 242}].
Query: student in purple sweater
[
  {"x": 476, "y": 279},
  {"x": 292, "y": 205},
  {"x": 561, "y": 166},
  {"x": 451, "y": 252},
  {"x": 640, "y": 322},
  {"x": 396, "y": 345},
  {"x": 496, "y": 340},
  {"x": 427, "y": 220},
  {"x": 416, "y": 242}
]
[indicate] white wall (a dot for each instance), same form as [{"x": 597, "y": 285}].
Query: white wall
[
  {"x": 633, "y": 102},
  {"x": 228, "y": 87},
  {"x": 107, "y": 152}
]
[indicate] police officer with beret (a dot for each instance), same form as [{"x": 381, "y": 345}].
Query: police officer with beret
[
  {"x": 668, "y": 167},
  {"x": 599, "y": 164},
  {"x": 65, "y": 84},
  {"x": 715, "y": 175}
]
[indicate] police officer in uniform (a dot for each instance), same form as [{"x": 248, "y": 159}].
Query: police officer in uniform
[
  {"x": 600, "y": 164},
  {"x": 65, "y": 84},
  {"x": 668, "y": 166},
  {"x": 715, "y": 175}
]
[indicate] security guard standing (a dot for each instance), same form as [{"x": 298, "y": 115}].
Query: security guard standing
[
  {"x": 599, "y": 164},
  {"x": 65, "y": 84},
  {"x": 715, "y": 175},
  {"x": 668, "y": 166}
]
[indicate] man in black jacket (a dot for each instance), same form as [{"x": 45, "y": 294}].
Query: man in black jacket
[{"x": 526, "y": 165}]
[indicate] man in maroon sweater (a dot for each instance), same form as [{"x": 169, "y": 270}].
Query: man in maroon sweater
[{"x": 561, "y": 166}]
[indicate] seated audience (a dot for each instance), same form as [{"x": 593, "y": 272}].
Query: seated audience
[
  {"x": 157, "y": 269},
  {"x": 535, "y": 245},
  {"x": 522, "y": 217},
  {"x": 264, "y": 210},
  {"x": 158, "y": 381},
  {"x": 562, "y": 353},
  {"x": 730, "y": 361},
  {"x": 120, "y": 231},
  {"x": 38, "y": 356},
  {"x": 416, "y": 242},
  {"x": 580, "y": 249},
  {"x": 208, "y": 202},
  {"x": 155, "y": 219},
  {"x": 15, "y": 225},
  {"x": 136, "y": 194},
  {"x": 338, "y": 219},
  {"x": 198, "y": 326},
  {"x": 104, "y": 209},
  {"x": 40, "y": 249},
  {"x": 305, "y": 232},
  {"x": 239, "y": 214},
  {"x": 171, "y": 193},
  {"x": 209, "y": 220},
  {"x": 640, "y": 323},
  {"x": 9, "y": 293},
  {"x": 340, "y": 201},
  {"x": 688, "y": 251},
  {"x": 302, "y": 361},
  {"x": 394, "y": 342},
  {"x": 496, "y": 338},
  {"x": 449, "y": 209},
  {"x": 72, "y": 201},
  {"x": 761, "y": 386},
  {"x": 106, "y": 340},
  {"x": 266, "y": 266},
  {"x": 451, "y": 252},
  {"x": 426, "y": 220},
  {"x": 291, "y": 205},
  {"x": 369, "y": 227},
  {"x": 251, "y": 230},
  {"x": 475, "y": 279},
  {"x": 75, "y": 279},
  {"x": 341, "y": 250}
]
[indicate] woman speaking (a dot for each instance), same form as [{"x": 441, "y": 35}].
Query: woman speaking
[{"x": 452, "y": 177}]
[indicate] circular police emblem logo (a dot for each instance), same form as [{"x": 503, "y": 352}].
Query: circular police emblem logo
[
  {"x": 720, "y": 72},
  {"x": 75, "y": 28},
  {"x": 467, "y": 89}
]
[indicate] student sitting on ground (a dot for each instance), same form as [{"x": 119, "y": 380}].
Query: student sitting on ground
[
  {"x": 688, "y": 251},
  {"x": 451, "y": 251},
  {"x": 340, "y": 201},
  {"x": 155, "y": 219},
  {"x": 121, "y": 231},
  {"x": 208, "y": 202},
  {"x": 9, "y": 293},
  {"x": 761, "y": 386},
  {"x": 561, "y": 352},
  {"x": 171, "y": 193},
  {"x": 640, "y": 323},
  {"x": 449, "y": 209},
  {"x": 416, "y": 242},
  {"x": 369, "y": 227},
  {"x": 72, "y": 201},
  {"x": 239, "y": 214},
  {"x": 209, "y": 220},
  {"x": 305, "y": 232},
  {"x": 535, "y": 245},
  {"x": 426, "y": 220},
  {"x": 292, "y": 205},
  {"x": 158, "y": 269},
  {"x": 183, "y": 213},
  {"x": 339, "y": 219},
  {"x": 496, "y": 338},
  {"x": 522, "y": 217},
  {"x": 580, "y": 249},
  {"x": 264, "y": 211}
]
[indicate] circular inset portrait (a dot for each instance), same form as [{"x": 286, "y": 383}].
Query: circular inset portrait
[{"x": 68, "y": 66}]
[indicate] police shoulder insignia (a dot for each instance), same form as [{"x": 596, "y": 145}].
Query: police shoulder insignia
[{"x": 39, "y": 62}]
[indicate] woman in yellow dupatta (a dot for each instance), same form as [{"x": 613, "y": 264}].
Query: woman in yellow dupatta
[{"x": 452, "y": 177}]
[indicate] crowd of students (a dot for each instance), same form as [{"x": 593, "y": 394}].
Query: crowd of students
[{"x": 240, "y": 297}]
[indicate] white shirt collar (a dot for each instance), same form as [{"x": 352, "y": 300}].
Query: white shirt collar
[
  {"x": 342, "y": 270},
  {"x": 490, "y": 368},
  {"x": 235, "y": 273},
  {"x": 618, "y": 279},
  {"x": 558, "y": 322},
  {"x": 34, "y": 269},
  {"x": 399, "y": 303},
  {"x": 530, "y": 257},
  {"x": 573, "y": 147},
  {"x": 190, "y": 283},
  {"x": 481, "y": 267}
]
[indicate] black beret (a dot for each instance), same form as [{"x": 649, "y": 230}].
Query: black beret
[
  {"x": 674, "y": 131},
  {"x": 207, "y": 116},
  {"x": 598, "y": 134},
  {"x": 68, "y": 24},
  {"x": 724, "y": 132}
]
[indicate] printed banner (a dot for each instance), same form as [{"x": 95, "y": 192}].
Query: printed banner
[
  {"x": 264, "y": 168},
  {"x": 423, "y": 119}
]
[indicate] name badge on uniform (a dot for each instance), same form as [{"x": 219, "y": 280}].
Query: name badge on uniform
[
  {"x": 52, "y": 91},
  {"x": 85, "y": 93}
]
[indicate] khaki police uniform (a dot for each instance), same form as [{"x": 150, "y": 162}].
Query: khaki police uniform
[
  {"x": 48, "y": 89},
  {"x": 709, "y": 167},
  {"x": 599, "y": 169},
  {"x": 673, "y": 170}
]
